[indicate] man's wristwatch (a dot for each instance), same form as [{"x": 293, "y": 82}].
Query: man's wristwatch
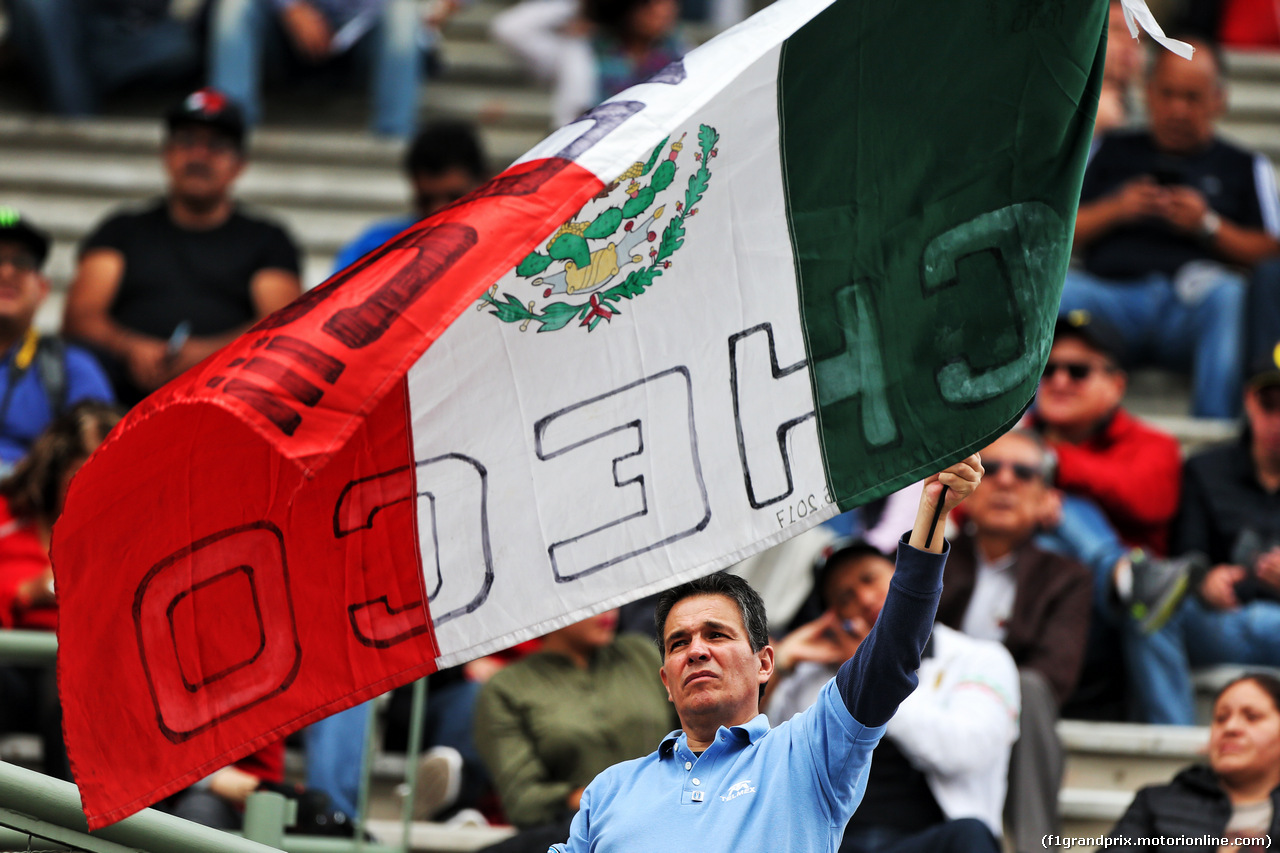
[{"x": 1209, "y": 224}]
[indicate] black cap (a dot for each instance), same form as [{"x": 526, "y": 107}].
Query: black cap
[
  {"x": 15, "y": 227},
  {"x": 1265, "y": 370},
  {"x": 1095, "y": 332},
  {"x": 210, "y": 108}
]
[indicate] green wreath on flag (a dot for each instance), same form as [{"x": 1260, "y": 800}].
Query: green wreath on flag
[{"x": 590, "y": 255}]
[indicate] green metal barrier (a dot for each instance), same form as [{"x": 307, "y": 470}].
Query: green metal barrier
[
  {"x": 48, "y": 808},
  {"x": 33, "y": 805}
]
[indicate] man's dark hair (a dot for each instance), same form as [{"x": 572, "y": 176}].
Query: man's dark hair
[
  {"x": 750, "y": 605},
  {"x": 443, "y": 146},
  {"x": 613, "y": 15}
]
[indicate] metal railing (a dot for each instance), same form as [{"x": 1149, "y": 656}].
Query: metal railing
[{"x": 33, "y": 805}]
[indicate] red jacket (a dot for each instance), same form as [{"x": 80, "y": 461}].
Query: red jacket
[
  {"x": 22, "y": 557},
  {"x": 1133, "y": 472}
]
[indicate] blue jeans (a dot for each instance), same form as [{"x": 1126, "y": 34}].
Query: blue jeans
[
  {"x": 243, "y": 32},
  {"x": 1263, "y": 309},
  {"x": 963, "y": 835},
  {"x": 1160, "y": 664},
  {"x": 335, "y": 745},
  {"x": 79, "y": 54},
  {"x": 1203, "y": 337},
  {"x": 1086, "y": 535},
  {"x": 335, "y": 755}
]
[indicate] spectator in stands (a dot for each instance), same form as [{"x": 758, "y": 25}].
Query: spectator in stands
[
  {"x": 41, "y": 376},
  {"x": 938, "y": 779},
  {"x": 1237, "y": 796},
  {"x": 218, "y": 799},
  {"x": 1169, "y": 218},
  {"x": 444, "y": 163},
  {"x": 592, "y": 49},
  {"x": 1230, "y": 512},
  {"x": 999, "y": 586},
  {"x": 289, "y": 36},
  {"x": 31, "y": 500},
  {"x": 547, "y": 724},
  {"x": 160, "y": 289},
  {"x": 1120, "y": 477},
  {"x": 1122, "y": 66},
  {"x": 79, "y": 51}
]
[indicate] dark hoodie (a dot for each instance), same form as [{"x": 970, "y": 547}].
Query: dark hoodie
[{"x": 1193, "y": 806}]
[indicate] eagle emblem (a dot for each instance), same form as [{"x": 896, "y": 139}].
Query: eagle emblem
[{"x": 614, "y": 248}]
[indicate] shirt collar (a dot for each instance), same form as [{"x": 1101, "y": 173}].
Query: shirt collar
[{"x": 751, "y": 731}]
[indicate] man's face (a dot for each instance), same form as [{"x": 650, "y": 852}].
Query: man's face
[
  {"x": 202, "y": 164},
  {"x": 1184, "y": 101},
  {"x": 1009, "y": 501},
  {"x": 1124, "y": 53},
  {"x": 432, "y": 192},
  {"x": 708, "y": 667},
  {"x": 1080, "y": 401},
  {"x": 592, "y": 633},
  {"x": 857, "y": 587},
  {"x": 1262, "y": 408},
  {"x": 22, "y": 287},
  {"x": 653, "y": 20}
]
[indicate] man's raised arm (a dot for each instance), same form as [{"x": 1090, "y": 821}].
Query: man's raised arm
[{"x": 887, "y": 660}]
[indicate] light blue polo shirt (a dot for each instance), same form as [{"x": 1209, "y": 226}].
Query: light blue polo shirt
[{"x": 793, "y": 787}]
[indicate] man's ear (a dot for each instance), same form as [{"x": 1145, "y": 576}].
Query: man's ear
[
  {"x": 766, "y": 664},
  {"x": 662, "y": 673}
]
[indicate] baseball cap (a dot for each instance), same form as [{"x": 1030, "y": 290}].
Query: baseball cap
[
  {"x": 210, "y": 108},
  {"x": 1095, "y": 332},
  {"x": 14, "y": 226},
  {"x": 1265, "y": 370}
]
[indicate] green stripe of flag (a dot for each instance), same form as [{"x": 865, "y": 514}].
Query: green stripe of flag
[{"x": 931, "y": 242}]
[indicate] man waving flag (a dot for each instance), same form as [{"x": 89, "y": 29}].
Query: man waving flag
[{"x": 815, "y": 260}]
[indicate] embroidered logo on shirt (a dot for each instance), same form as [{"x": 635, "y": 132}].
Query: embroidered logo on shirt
[{"x": 737, "y": 789}]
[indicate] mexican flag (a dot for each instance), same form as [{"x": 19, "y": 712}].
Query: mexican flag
[{"x": 818, "y": 259}]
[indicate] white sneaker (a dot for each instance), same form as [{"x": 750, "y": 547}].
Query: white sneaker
[
  {"x": 439, "y": 780},
  {"x": 467, "y": 818}
]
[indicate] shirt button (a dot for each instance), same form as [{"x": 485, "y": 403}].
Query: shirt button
[
  {"x": 696, "y": 782},
  {"x": 688, "y": 765}
]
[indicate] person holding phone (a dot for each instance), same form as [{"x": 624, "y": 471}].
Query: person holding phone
[{"x": 1172, "y": 221}]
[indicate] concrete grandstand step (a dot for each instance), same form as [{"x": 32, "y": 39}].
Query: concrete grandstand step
[
  {"x": 1126, "y": 756},
  {"x": 109, "y": 136},
  {"x": 1255, "y": 100},
  {"x": 528, "y": 108},
  {"x": 1253, "y": 65},
  {"x": 482, "y": 61},
  {"x": 1196, "y": 433},
  {"x": 377, "y": 190},
  {"x": 1260, "y": 136},
  {"x": 1090, "y": 813},
  {"x": 427, "y": 837}
]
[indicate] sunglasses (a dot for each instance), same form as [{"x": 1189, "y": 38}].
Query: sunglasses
[
  {"x": 1023, "y": 472},
  {"x": 1076, "y": 370}
]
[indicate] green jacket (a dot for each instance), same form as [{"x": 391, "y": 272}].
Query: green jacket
[{"x": 545, "y": 727}]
